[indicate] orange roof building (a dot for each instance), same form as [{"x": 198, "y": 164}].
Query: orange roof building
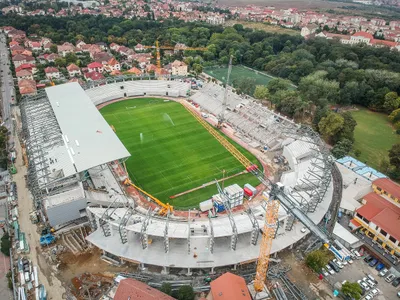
[
  {"x": 132, "y": 289},
  {"x": 229, "y": 287}
]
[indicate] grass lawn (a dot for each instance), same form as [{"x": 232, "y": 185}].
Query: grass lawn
[
  {"x": 238, "y": 72},
  {"x": 374, "y": 136},
  {"x": 170, "y": 151},
  {"x": 263, "y": 26}
]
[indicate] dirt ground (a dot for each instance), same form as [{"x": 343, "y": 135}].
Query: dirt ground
[
  {"x": 307, "y": 281},
  {"x": 90, "y": 262}
]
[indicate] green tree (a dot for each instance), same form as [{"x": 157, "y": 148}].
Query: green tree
[
  {"x": 347, "y": 131},
  {"x": 198, "y": 68},
  {"x": 394, "y": 156},
  {"x": 60, "y": 62},
  {"x": 245, "y": 85},
  {"x": 261, "y": 92},
  {"x": 53, "y": 48},
  {"x": 166, "y": 288},
  {"x": 277, "y": 84},
  {"x": 5, "y": 244},
  {"x": 352, "y": 289},
  {"x": 392, "y": 101},
  {"x": 186, "y": 292},
  {"x": 317, "y": 259},
  {"x": 330, "y": 126},
  {"x": 384, "y": 165},
  {"x": 318, "y": 89},
  {"x": 342, "y": 148},
  {"x": 71, "y": 58}
]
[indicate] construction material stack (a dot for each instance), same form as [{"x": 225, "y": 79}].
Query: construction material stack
[{"x": 235, "y": 195}]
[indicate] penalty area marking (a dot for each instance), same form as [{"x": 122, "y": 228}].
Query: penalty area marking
[{"x": 130, "y": 107}]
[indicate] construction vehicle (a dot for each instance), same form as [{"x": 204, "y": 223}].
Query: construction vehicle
[
  {"x": 47, "y": 239},
  {"x": 13, "y": 169},
  {"x": 165, "y": 207},
  {"x": 158, "y": 47}
]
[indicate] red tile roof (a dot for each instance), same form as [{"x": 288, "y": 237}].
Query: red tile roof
[
  {"x": 73, "y": 67},
  {"x": 229, "y": 287},
  {"x": 355, "y": 223},
  {"x": 94, "y": 65},
  {"x": 133, "y": 289},
  {"x": 51, "y": 70},
  {"x": 94, "y": 75},
  {"x": 389, "y": 186},
  {"x": 364, "y": 35},
  {"x": 382, "y": 213}
]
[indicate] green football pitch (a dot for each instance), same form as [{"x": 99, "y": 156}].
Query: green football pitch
[{"x": 171, "y": 152}]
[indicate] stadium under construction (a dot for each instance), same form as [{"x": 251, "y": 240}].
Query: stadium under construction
[{"x": 76, "y": 176}]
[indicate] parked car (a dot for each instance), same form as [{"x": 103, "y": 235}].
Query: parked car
[
  {"x": 383, "y": 272},
  {"x": 338, "y": 263},
  {"x": 396, "y": 282},
  {"x": 398, "y": 294},
  {"x": 368, "y": 258},
  {"x": 380, "y": 266},
  {"x": 324, "y": 272},
  {"x": 370, "y": 283},
  {"x": 330, "y": 270},
  {"x": 334, "y": 266},
  {"x": 368, "y": 297},
  {"x": 372, "y": 279},
  {"x": 374, "y": 292},
  {"x": 350, "y": 261},
  {"x": 364, "y": 285},
  {"x": 373, "y": 262},
  {"x": 390, "y": 278}
]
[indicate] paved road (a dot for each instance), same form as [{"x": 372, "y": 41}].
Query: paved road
[
  {"x": 5, "y": 292},
  {"x": 7, "y": 84}
]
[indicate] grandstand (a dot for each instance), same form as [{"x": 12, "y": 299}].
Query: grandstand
[{"x": 126, "y": 230}]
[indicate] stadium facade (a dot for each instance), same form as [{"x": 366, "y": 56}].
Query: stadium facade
[{"x": 74, "y": 165}]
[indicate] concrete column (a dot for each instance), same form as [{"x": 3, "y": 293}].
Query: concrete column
[
  {"x": 165, "y": 271},
  {"x": 212, "y": 271},
  {"x": 142, "y": 267},
  {"x": 234, "y": 267},
  {"x": 291, "y": 247},
  {"x": 275, "y": 254},
  {"x": 189, "y": 273}
]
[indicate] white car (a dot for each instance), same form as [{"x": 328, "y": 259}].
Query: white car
[
  {"x": 390, "y": 278},
  {"x": 371, "y": 283},
  {"x": 356, "y": 254},
  {"x": 339, "y": 264},
  {"x": 324, "y": 272},
  {"x": 368, "y": 297},
  {"x": 372, "y": 279},
  {"x": 364, "y": 285},
  {"x": 330, "y": 270},
  {"x": 383, "y": 272},
  {"x": 374, "y": 292},
  {"x": 350, "y": 261}
]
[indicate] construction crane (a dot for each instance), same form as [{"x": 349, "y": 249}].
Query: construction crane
[
  {"x": 158, "y": 47},
  {"x": 221, "y": 117},
  {"x": 165, "y": 207}
]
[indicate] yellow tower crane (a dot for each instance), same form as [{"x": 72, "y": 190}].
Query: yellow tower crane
[{"x": 158, "y": 47}]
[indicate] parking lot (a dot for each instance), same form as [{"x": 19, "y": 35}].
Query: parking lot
[{"x": 360, "y": 269}]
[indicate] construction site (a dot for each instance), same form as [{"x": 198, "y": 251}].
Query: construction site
[{"x": 85, "y": 202}]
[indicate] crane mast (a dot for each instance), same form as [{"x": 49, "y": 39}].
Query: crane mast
[{"x": 221, "y": 118}]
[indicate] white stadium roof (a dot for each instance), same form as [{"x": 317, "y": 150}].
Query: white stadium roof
[{"x": 89, "y": 140}]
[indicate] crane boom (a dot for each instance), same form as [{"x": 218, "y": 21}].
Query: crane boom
[{"x": 221, "y": 118}]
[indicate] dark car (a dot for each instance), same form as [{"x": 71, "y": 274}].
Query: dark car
[
  {"x": 396, "y": 282},
  {"x": 379, "y": 267},
  {"x": 369, "y": 258},
  {"x": 373, "y": 262},
  {"x": 334, "y": 266}
]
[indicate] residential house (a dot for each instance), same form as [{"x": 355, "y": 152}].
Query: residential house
[
  {"x": 29, "y": 67},
  {"x": 92, "y": 76},
  {"x": 16, "y": 49},
  {"x": 65, "y": 48},
  {"x": 114, "y": 46},
  {"x": 20, "y": 59},
  {"x": 102, "y": 46},
  {"x": 359, "y": 37},
  {"x": 308, "y": 30},
  {"x": 51, "y": 57},
  {"x": 24, "y": 74},
  {"x": 179, "y": 68},
  {"x": 102, "y": 57},
  {"x": 133, "y": 289},
  {"x": 229, "y": 287},
  {"x": 16, "y": 34},
  {"x": 52, "y": 73},
  {"x": 95, "y": 67},
  {"x": 34, "y": 46},
  {"x": 79, "y": 44},
  {"x": 47, "y": 46},
  {"x": 134, "y": 71},
  {"x": 73, "y": 70},
  {"x": 112, "y": 65},
  {"x": 93, "y": 50},
  {"x": 27, "y": 87},
  {"x": 139, "y": 48}
]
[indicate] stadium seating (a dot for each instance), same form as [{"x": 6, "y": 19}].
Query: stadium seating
[{"x": 107, "y": 92}]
